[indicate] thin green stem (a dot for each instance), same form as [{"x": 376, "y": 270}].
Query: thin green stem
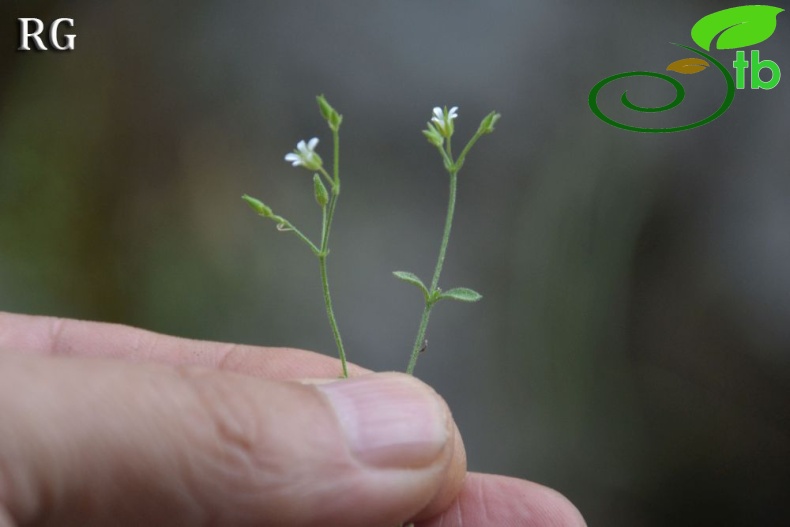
[
  {"x": 448, "y": 225},
  {"x": 336, "y": 157},
  {"x": 324, "y": 173},
  {"x": 467, "y": 148},
  {"x": 432, "y": 293},
  {"x": 335, "y": 189},
  {"x": 331, "y": 315},
  {"x": 418, "y": 342},
  {"x": 286, "y": 226},
  {"x": 323, "y": 228},
  {"x": 328, "y": 216},
  {"x": 448, "y": 161}
]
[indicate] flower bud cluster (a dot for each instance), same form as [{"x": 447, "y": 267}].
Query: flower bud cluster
[{"x": 441, "y": 125}]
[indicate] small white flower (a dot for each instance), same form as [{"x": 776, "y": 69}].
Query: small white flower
[
  {"x": 444, "y": 120},
  {"x": 305, "y": 155}
]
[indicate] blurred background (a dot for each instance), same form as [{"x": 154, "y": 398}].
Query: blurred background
[{"x": 633, "y": 346}]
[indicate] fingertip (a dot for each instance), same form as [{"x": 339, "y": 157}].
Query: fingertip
[
  {"x": 369, "y": 450},
  {"x": 498, "y": 500},
  {"x": 444, "y": 465},
  {"x": 390, "y": 420},
  {"x": 453, "y": 480},
  {"x": 533, "y": 504},
  {"x": 560, "y": 510}
]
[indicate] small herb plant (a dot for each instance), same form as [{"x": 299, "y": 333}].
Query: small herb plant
[{"x": 439, "y": 133}]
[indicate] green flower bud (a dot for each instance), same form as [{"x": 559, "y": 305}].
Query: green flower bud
[
  {"x": 488, "y": 122},
  {"x": 433, "y": 136},
  {"x": 321, "y": 194},
  {"x": 258, "y": 206},
  {"x": 324, "y": 106},
  {"x": 335, "y": 121},
  {"x": 329, "y": 114}
]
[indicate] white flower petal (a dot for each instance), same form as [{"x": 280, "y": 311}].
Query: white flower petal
[
  {"x": 292, "y": 157},
  {"x": 312, "y": 144},
  {"x": 304, "y": 149},
  {"x": 438, "y": 113}
]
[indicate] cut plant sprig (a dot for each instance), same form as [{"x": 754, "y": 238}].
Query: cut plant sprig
[
  {"x": 439, "y": 133},
  {"x": 305, "y": 156}
]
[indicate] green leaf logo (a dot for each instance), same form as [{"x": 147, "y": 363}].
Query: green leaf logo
[{"x": 739, "y": 27}]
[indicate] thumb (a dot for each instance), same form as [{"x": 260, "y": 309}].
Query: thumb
[{"x": 98, "y": 442}]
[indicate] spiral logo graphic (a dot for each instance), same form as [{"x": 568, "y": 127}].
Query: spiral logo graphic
[
  {"x": 680, "y": 95},
  {"x": 736, "y": 27}
]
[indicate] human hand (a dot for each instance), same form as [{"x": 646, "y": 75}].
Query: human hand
[{"x": 109, "y": 425}]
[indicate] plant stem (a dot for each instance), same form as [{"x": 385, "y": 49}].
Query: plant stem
[
  {"x": 331, "y": 315},
  {"x": 328, "y": 216},
  {"x": 448, "y": 224},
  {"x": 418, "y": 342},
  {"x": 433, "y": 293},
  {"x": 287, "y": 226},
  {"x": 467, "y": 148}
]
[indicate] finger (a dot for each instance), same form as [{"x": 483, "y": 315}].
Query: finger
[
  {"x": 94, "y": 442},
  {"x": 487, "y": 500},
  {"x": 74, "y": 338},
  {"x": 454, "y": 480},
  {"x": 59, "y": 336}
]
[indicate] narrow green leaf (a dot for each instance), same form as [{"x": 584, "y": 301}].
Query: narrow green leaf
[
  {"x": 739, "y": 27},
  {"x": 412, "y": 279},
  {"x": 461, "y": 294}
]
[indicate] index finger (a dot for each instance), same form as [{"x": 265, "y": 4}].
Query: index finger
[
  {"x": 66, "y": 337},
  {"x": 60, "y": 336}
]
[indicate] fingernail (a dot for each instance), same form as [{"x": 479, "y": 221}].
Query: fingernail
[{"x": 390, "y": 420}]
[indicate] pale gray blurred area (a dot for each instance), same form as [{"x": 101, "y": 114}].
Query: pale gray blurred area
[{"x": 632, "y": 349}]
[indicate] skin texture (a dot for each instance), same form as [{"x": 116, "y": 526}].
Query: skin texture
[{"x": 110, "y": 425}]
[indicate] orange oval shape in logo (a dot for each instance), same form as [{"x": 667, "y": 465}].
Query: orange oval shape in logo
[{"x": 688, "y": 66}]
